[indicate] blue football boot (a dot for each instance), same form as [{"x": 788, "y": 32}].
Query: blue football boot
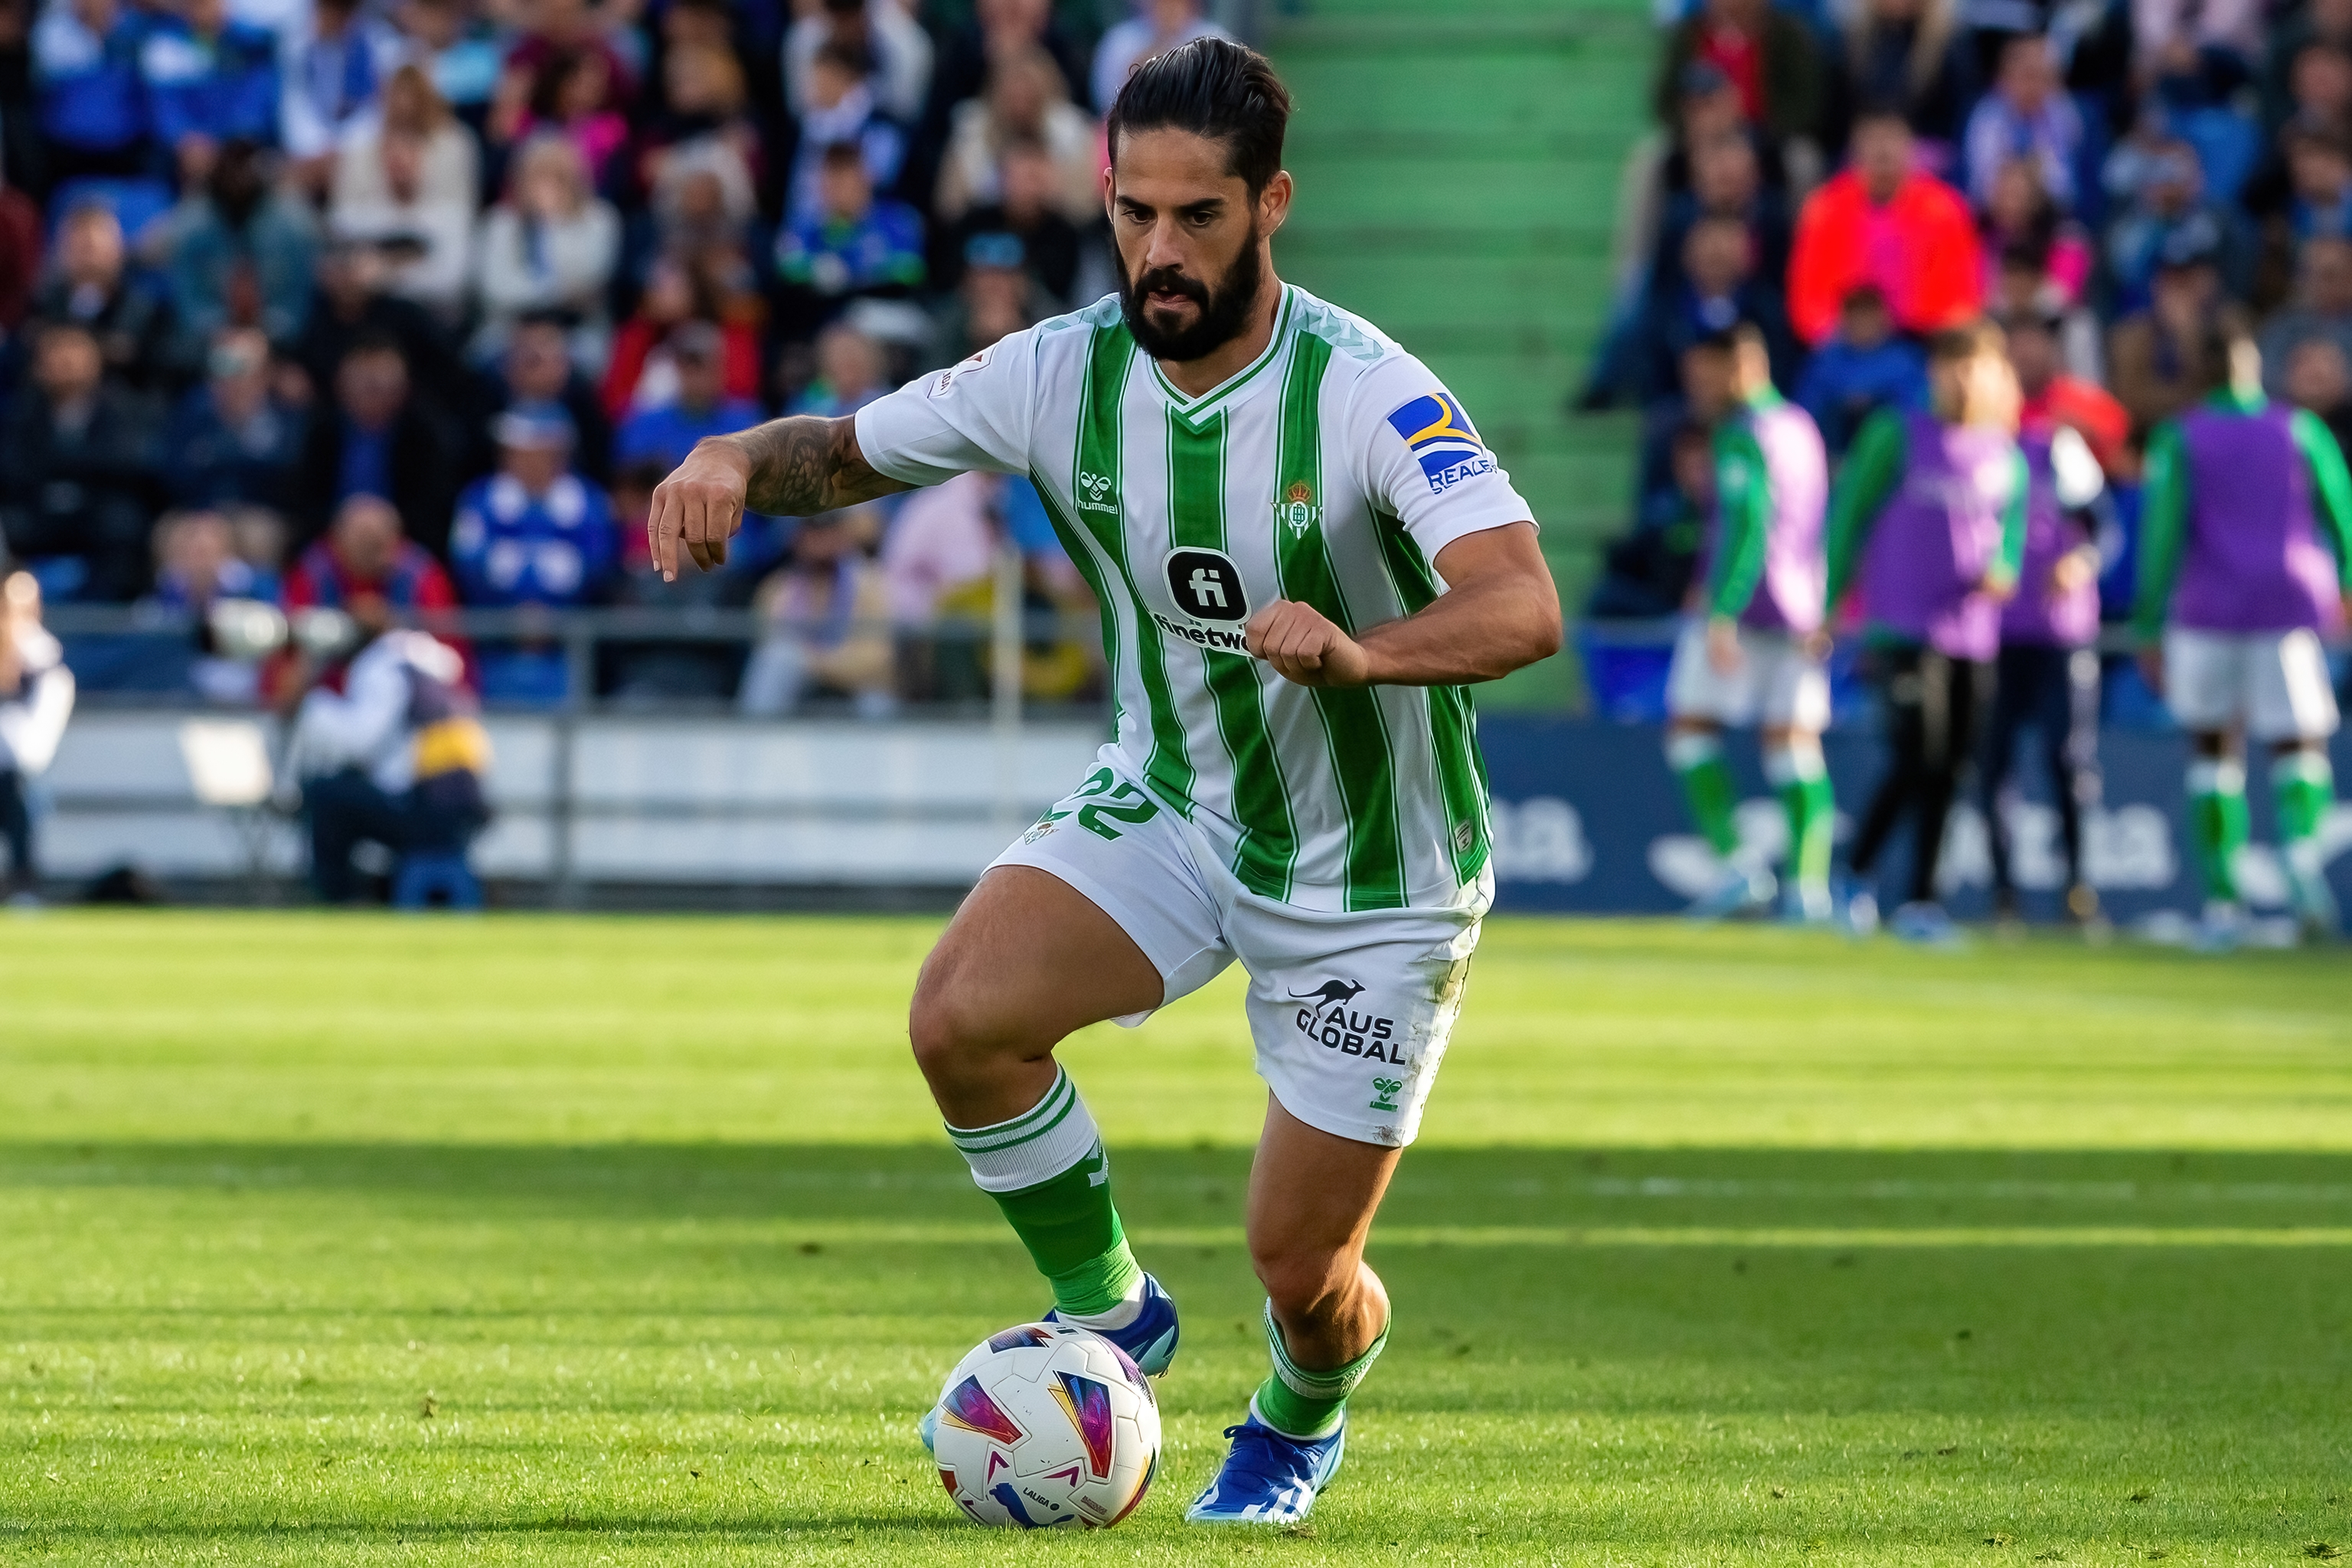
[
  {"x": 1150, "y": 1340},
  {"x": 1268, "y": 1478}
]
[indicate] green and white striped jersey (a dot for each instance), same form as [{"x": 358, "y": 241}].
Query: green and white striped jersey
[{"x": 1332, "y": 470}]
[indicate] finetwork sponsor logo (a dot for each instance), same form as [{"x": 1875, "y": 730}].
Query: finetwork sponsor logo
[
  {"x": 1441, "y": 439},
  {"x": 1203, "y": 637},
  {"x": 1327, "y": 1018}
]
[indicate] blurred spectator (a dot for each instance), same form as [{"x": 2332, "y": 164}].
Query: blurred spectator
[
  {"x": 1714, "y": 289},
  {"x": 92, "y": 283},
  {"x": 534, "y": 534},
  {"x": 2318, "y": 377},
  {"x": 1026, "y": 210},
  {"x": 641, "y": 375},
  {"x": 1727, "y": 181},
  {"x": 77, "y": 472},
  {"x": 210, "y": 80},
  {"x": 352, "y": 303},
  {"x": 998, "y": 296},
  {"x": 1026, "y": 101},
  {"x": 940, "y": 541},
  {"x": 36, "y": 698},
  {"x": 2324, "y": 28},
  {"x": 1158, "y": 27},
  {"x": 24, "y": 162},
  {"x": 1864, "y": 366},
  {"x": 94, "y": 105},
  {"x": 2164, "y": 358},
  {"x": 232, "y": 441},
  {"x": 2054, "y": 400},
  {"x": 457, "y": 49},
  {"x": 665, "y": 432},
  {"x": 857, "y": 244},
  {"x": 362, "y": 557},
  {"x": 2322, "y": 310},
  {"x": 2159, "y": 184},
  {"x": 892, "y": 51},
  {"x": 241, "y": 251},
  {"x": 703, "y": 203},
  {"x": 1646, "y": 574},
  {"x": 559, "y": 27},
  {"x": 997, "y": 28},
  {"x": 20, "y": 250},
  {"x": 335, "y": 70},
  {"x": 196, "y": 566},
  {"x": 409, "y": 183},
  {"x": 572, "y": 95},
  {"x": 537, "y": 370},
  {"x": 828, "y": 628},
  {"x": 1768, "y": 56},
  {"x": 840, "y": 111},
  {"x": 377, "y": 439},
  {"x": 550, "y": 245},
  {"x": 2020, "y": 218},
  {"x": 2195, "y": 52},
  {"x": 849, "y": 374},
  {"x": 703, "y": 102},
  {"x": 1662, "y": 168},
  {"x": 1910, "y": 53},
  {"x": 2028, "y": 116},
  {"x": 1887, "y": 223}
]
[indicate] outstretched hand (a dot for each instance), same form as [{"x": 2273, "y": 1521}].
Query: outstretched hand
[
  {"x": 701, "y": 506},
  {"x": 1305, "y": 647}
]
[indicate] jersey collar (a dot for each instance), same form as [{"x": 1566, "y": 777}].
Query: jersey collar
[
  {"x": 1194, "y": 410},
  {"x": 2228, "y": 402}
]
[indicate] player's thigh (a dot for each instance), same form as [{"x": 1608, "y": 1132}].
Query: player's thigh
[
  {"x": 1027, "y": 960},
  {"x": 1793, "y": 690},
  {"x": 1697, "y": 689},
  {"x": 1312, "y": 1197},
  {"x": 2204, "y": 678},
  {"x": 2288, "y": 694},
  {"x": 1350, "y": 1014}
]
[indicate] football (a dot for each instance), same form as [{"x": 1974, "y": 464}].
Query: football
[{"x": 1044, "y": 1424}]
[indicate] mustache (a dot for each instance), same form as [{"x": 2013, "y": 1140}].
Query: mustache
[{"x": 1172, "y": 280}]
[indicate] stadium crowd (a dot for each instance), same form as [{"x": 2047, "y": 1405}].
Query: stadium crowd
[
  {"x": 2064, "y": 289},
  {"x": 324, "y": 300}
]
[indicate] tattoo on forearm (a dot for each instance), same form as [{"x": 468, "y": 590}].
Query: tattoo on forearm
[{"x": 806, "y": 465}]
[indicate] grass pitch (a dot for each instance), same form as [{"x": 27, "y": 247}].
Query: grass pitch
[{"x": 340, "y": 1240}]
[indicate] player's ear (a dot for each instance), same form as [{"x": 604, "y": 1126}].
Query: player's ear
[{"x": 1274, "y": 202}]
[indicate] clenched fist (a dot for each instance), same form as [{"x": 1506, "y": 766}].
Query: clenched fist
[
  {"x": 1306, "y": 648},
  {"x": 700, "y": 505}
]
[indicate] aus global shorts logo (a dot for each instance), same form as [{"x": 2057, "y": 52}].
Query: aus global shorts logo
[
  {"x": 1211, "y": 602},
  {"x": 1441, "y": 440},
  {"x": 1326, "y": 1017}
]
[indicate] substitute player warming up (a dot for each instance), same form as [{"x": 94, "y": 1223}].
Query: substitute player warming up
[
  {"x": 2235, "y": 589},
  {"x": 1303, "y": 552}
]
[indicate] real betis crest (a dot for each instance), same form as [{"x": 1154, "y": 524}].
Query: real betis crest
[{"x": 1298, "y": 509}]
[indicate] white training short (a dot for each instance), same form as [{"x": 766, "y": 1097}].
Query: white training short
[
  {"x": 1777, "y": 683},
  {"x": 2273, "y": 683},
  {"x": 1350, "y": 1013}
]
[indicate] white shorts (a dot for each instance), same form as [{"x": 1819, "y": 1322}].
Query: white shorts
[
  {"x": 1350, "y": 1013},
  {"x": 2273, "y": 683},
  {"x": 1776, "y": 684}
]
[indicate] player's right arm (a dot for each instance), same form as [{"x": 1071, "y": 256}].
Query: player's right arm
[
  {"x": 1873, "y": 468},
  {"x": 1743, "y": 517},
  {"x": 2163, "y": 536},
  {"x": 798, "y": 467}
]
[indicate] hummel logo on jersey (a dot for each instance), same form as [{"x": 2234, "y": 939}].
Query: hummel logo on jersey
[
  {"x": 1441, "y": 437},
  {"x": 1092, "y": 488},
  {"x": 1326, "y": 1017}
]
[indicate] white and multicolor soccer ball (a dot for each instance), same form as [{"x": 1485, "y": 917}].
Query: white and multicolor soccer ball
[{"x": 1047, "y": 1424}]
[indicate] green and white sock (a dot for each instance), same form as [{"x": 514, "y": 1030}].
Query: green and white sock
[
  {"x": 1047, "y": 1169},
  {"x": 1300, "y": 1403},
  {"x": 1802, "y": 778},
  {"x": 2305, "y": 787},
  {"x": 1698, "y": 761},
  {"x": 2217, "y": 823}
]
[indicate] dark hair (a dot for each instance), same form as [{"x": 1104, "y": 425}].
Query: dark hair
[
  {"x": 1742, "y": 333},
  {"x": 369, "y": 343},
  {"x": 1883, "y": 109},
  {"x": 1213, "y": 88},
  {"x": 1965, "y": 342}
]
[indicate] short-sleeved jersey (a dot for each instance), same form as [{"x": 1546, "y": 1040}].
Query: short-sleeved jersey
[{"x": 1330, "y": 470}]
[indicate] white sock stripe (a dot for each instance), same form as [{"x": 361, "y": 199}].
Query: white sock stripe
[
  {"x": 1338, "y": 1383},
  {"x": 1051, "y": 1145},
  {"x": 2313, "y": 766},
  {"x": 998, "y": 1131},
  {"x": 1685, "y": 752},
  {"x": 2210, "y": 776}
]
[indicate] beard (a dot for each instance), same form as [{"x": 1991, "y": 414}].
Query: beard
[{"x": 1224, "y": 310}]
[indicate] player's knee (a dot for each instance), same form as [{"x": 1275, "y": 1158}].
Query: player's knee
[{"x": 947, "y": 1025}]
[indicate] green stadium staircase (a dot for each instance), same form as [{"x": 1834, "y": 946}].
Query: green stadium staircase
[{"x": 1457, "y": 170}]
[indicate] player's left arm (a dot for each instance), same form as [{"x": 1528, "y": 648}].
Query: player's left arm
[
  {"x": 2332, "y": 483},
  {"x": 2000, "y": 577},
  {"x": 1499, "y": 612}
]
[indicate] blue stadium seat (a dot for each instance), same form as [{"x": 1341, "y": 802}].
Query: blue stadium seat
[{"x": 426, "y": 873}]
